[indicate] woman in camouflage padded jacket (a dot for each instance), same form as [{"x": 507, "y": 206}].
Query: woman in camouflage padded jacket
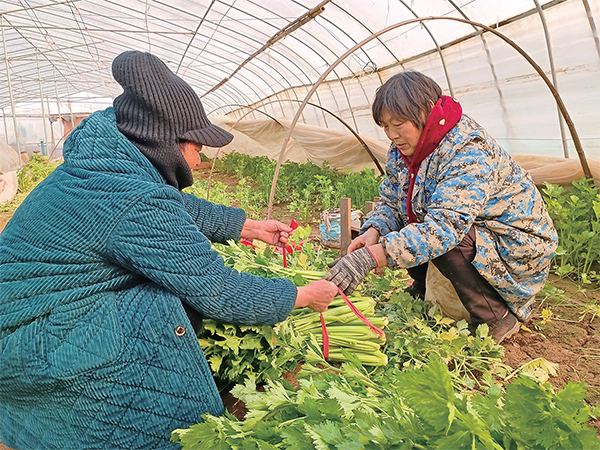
[{"x": 473, "y": 211}]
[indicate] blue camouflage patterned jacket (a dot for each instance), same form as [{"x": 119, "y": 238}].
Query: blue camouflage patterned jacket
[
  {"x": 96, "y": 350},
  {"x": 469, "y": 180}
]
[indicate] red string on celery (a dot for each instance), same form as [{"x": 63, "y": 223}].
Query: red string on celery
[{"x": 325, "y": 338}]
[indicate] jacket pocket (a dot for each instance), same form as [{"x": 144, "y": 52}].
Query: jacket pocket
[{"x": 83, "y": 335}]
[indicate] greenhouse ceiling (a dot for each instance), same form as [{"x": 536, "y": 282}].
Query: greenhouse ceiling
[{"x": 237, "y": 53}]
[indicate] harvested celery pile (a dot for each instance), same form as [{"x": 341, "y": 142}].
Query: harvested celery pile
[{"x": 235, "y": 352}]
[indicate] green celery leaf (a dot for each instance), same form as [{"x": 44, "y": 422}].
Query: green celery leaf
[
  {"x": 430, "y": 393},
  {"x": 329, "y": 432},
  {"x": 310, "y": 408},
  {"x": 350, "y": 445},
  {"x": 330, "y": 408},
  {"x": 317, "y": 439},
  {"x": 295, "y": 437},
  {"x": 215, "y": 362},
  {"x": 348, "y": 402},
  {"x": 459, "y": 440},
  {"x": 299, "y": 280}
]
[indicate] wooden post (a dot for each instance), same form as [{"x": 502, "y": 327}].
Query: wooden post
[
  {"x": 345, "y": 219},
  {"x": 369, "y": 207}
]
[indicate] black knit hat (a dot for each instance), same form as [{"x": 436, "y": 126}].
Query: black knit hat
[{"x": 157, "y": 110}]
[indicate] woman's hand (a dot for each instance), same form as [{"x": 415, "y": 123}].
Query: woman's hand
[
  {"x": 272, "y": 232},
  {"x": 316, "y": 295},
  {"x": 368, "y": 238},
  {"x": 350, "y": 270}
]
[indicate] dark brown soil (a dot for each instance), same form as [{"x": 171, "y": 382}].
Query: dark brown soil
[
  {"x": 567, "y": 339},
  {"x": 233, "y": 405}
]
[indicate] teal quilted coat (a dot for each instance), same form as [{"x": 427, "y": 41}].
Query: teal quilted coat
[{"x": 96, "y": 350}]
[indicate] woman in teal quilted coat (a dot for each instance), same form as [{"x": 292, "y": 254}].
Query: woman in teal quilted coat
[
  {"x": 96, "y": 348},
  {"x": 453, "y": 197}
]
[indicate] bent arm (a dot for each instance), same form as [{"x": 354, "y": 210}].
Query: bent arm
[
  {"x": 218, "y": 223},
  {"x": 460, "y": 196},
  {"x": 159, "y": 240}
]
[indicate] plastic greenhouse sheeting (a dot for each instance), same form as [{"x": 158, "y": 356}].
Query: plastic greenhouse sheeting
[
  {"x": 343, "y": 151},
  {"x": 9, "y": 159},
  {"x": 10, "y": 162},
  {"x": 268, "y": 54},
  {"x": 309, "y": 143}
]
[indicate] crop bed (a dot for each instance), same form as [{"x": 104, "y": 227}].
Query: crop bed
[{"x": 442, "y": 387}]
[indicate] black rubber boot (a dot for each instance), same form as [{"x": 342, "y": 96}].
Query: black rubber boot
[{"x": 504, "y": 328}]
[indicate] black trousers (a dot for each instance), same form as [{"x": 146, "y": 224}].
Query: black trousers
[{"x": 479, "y": 298}]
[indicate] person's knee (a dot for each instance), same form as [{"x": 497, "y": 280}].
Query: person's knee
[{"x": 451, "y": 264}]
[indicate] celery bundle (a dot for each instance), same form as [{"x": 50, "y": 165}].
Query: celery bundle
[{"x": 345, "y": 329}]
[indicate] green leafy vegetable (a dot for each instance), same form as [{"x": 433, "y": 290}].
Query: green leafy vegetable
[{"x": 343, "y": 408}]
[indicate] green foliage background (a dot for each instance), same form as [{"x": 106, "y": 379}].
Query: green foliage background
[
  {"x": 319, "y": 186},
  {"x": 575, "y": 212},
  {"x": 29, "y": 176}
]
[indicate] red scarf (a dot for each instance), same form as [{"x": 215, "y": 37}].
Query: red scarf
[{"x": 444, "y": 116}]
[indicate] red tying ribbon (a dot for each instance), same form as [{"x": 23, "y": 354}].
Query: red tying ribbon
[
  {"x": 247, "y": 242},
  {"x": 360, "y": 315},
  {"x": 325, "y": 338},
  {"x": 293, "y": 225},
  {"x": 355, "y": 310}
]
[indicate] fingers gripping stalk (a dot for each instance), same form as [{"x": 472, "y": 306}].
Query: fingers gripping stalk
[{"x": 349, "y": 271}]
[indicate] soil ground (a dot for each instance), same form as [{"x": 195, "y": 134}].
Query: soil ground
[{"x": 568, "y": 338}]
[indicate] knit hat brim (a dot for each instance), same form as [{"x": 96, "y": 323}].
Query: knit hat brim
[{"x": 211, "y": 136}]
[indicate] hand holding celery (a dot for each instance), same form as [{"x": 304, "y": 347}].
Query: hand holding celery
[
  {"x": 316, "y": 295},
  {"x": 271, "y": 232}
]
